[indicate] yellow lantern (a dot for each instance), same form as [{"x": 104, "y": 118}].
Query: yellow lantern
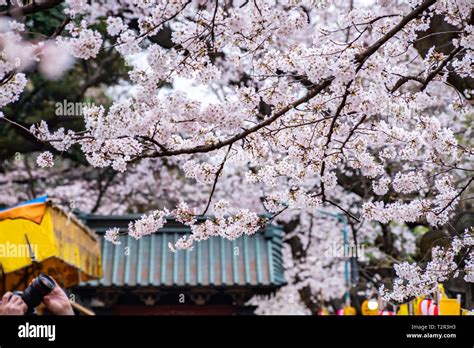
[
  {"x": 369, "y": 309},
  {"x": 349, "y": 311},
  {"x": 449, "y": 306},
  {"x": 403, "y": 309}
]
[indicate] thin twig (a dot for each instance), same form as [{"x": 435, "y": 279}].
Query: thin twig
[
  {"x": 218, "y": 173},
  {"x": 344, "y": 210},
  {"x": 455, "y": 197}
]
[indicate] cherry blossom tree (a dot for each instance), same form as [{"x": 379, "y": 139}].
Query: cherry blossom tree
[{"x": 357, "y": 108}]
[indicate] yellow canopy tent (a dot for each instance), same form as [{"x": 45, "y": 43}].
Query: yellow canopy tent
[{"x": 37, "y": 236}]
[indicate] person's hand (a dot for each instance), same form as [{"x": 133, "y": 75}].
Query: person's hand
[
  {"x": 57, "y": 302},
  {"x": 12, "y": 305}
]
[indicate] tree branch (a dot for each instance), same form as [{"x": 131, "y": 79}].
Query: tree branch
[
  {"x": 361, "y": 58},
  {"x": 206, "y": 148},
  {"x": 455, "y": 197},
  {"x": 216, "y": 179}
]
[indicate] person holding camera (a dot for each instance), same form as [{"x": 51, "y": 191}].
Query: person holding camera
[
  {"x": 42, "y": 289},
  {"x": 12, "y": 305}
]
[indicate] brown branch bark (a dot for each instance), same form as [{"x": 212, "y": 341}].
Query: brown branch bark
[
  {"x": 206, "y": 148},
  {"x": 219, "y": 171},
  {"x": 424, "y": 82},
  {"x": 457, "y": 196},
  {"x": 311, "y": 94},
  {"x": 361, "y": 58}
]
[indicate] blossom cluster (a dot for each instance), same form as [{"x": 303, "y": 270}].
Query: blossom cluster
[
  {"x": 414, "y": 281},
  {"x": 310, "y": 105},
  {"x": 45, "y": 159}
]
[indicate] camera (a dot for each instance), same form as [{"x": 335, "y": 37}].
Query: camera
[{"x": 34, "y": 293}]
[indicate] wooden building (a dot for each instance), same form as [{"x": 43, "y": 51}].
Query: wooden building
[{"x": 143, "y": 277}]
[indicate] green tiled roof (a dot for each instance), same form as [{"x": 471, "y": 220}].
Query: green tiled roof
[{"x": 248, "y": 261}]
